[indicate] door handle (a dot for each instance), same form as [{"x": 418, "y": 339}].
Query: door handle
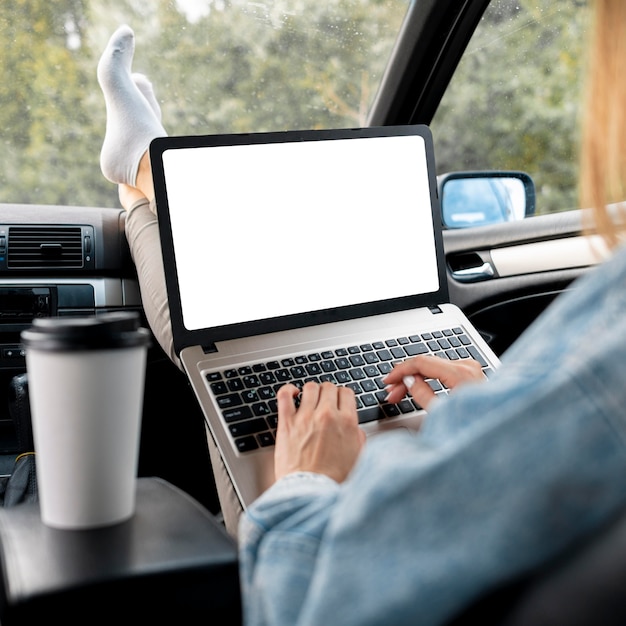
[{"x": 474, "y": 274}]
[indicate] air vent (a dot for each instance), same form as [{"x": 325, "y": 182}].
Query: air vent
[{"x": 46, "y": 247}]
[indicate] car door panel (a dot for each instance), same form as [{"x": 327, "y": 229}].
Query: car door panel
[{"x": 504, "y": 276}]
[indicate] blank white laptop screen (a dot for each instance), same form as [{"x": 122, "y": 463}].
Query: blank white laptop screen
[{"x": 282, "y": 228}]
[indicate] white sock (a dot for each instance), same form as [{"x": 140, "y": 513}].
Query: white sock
[
  {"x": 131, "y": 119},
  {"x": 145, "y": 86}
]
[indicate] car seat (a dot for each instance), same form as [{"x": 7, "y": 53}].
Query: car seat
[{"x": 581, "y": 587}]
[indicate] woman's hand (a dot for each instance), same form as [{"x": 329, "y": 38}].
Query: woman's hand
[
  {"x": 419, "y": 368},
  {"x": 322, "y": 435}
]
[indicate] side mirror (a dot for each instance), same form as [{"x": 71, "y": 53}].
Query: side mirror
[{"x": 481, "y": 198}]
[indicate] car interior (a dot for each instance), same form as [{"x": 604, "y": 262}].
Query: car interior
[{"x": 62, "y": 259}]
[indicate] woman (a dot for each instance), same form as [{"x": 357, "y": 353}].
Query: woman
[{"x": 410, "y": 528}]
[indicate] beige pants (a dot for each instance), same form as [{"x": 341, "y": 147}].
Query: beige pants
[{"x": 142, "y": 233}]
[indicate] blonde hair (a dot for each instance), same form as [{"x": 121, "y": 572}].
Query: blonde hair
[{"x": 603, "y": 146}]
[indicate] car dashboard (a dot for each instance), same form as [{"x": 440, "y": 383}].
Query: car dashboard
[{"x": 57, "y": 261}]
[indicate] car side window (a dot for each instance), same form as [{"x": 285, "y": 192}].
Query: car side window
[{"x": 513, "y": 103}]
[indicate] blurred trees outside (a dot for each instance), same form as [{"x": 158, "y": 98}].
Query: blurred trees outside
[
  {"x": 217, "y": 66},
  {"x": 235, "y": 66},
  {"x": 514, "y": 100}
]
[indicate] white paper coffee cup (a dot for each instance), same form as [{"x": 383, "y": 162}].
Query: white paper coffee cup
[{"x": 86, "y": 381}]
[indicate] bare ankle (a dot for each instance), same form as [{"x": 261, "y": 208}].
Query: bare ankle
[
  {"x": 144, "y": 177},
  {"x": 129, "y": 196}
]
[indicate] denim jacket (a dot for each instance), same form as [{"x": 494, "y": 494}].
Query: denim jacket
[{"x": 502, "y": 476}]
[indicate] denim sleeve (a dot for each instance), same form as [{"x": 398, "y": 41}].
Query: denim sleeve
[
  {"x": 422, "y": 527},
  {"x": 277, "y": 565},
  {"x": 503, "y": 476}
]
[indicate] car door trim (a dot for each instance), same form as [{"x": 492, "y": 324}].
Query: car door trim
[{"x": 544, "y": 256}]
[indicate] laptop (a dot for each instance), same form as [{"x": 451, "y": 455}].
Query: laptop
[{"x": 302, "y": 255}]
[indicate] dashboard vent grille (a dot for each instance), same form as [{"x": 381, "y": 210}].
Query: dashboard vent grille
[{"x": 33, "y": 247}]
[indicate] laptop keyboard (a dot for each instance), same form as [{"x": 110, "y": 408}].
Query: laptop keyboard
[{"x": 246, "y": 396}]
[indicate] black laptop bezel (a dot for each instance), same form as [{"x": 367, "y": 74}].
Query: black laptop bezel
[{"x": 209, "y": 337}]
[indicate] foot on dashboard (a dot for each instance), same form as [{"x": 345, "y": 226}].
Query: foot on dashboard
[{"x": 133, "y": 113}]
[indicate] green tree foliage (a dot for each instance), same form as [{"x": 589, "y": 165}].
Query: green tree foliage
[
  {"x": 44, "y": 116},
  {"x": 513, "y": 102},
  {"x": 240, "y": 66}
]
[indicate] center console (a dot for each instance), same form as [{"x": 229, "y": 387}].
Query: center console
[
  {"x": 172, "y": 562},
  {"x": 56, "y": 261}
]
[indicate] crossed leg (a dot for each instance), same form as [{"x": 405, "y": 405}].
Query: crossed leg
[{"x": 133, "y": 121}]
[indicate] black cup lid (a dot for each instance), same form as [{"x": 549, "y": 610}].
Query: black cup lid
[{"x": 118, "y": 329}]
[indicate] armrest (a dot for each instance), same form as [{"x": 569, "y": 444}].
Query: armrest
[{"x": 171, "y": 560}]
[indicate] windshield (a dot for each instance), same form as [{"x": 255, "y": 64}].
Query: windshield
[{"x": 217, "y": 66}]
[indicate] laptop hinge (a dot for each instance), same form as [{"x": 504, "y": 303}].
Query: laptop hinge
[
  {"x": 209, "y": 349},
  {"x": 435, "y": 310}
]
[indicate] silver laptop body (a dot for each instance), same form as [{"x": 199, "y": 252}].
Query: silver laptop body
[{"x": 288, "y": 254}]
